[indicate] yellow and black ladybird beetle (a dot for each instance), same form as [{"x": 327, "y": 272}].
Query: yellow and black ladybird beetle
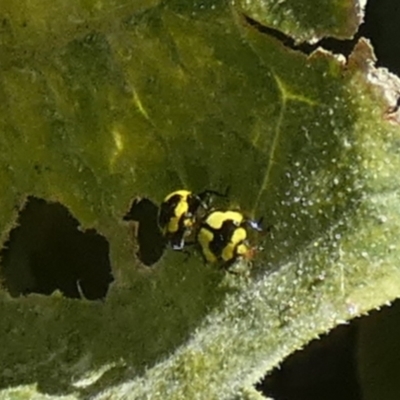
[
  {"x": 223, "y": 237},
  {"x": 178, "y": 214}
]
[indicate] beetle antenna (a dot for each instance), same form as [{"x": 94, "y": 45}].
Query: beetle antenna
[
  {"x": 227, "y": 191},
  {"x": 208, "y": 192},
  {"x": 204, "y": 197}
]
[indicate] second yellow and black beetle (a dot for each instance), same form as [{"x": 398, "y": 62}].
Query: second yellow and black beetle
[
  {"x": 178, "y": 214},
  {"x": 223, "y": 237}
]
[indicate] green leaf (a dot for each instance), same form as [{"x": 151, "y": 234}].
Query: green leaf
[
  {"x": 306, "y": 20},
  {"x": 142, "y": 101}
]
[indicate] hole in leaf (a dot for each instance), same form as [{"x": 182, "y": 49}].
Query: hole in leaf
[
  {"x": 151, "y": 242},
  {"x": 47, "y": 252},
  {"x": 325, "y": 369},
  {"x": 338, "y": 46},
  {"x": 383, "y": 29},
  {"x": 380, "y": 26}
]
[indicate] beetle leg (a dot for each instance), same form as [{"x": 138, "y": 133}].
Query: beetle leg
[
  {"x": 179, "y": 246},
  {"x": 256, "y": 225}
]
